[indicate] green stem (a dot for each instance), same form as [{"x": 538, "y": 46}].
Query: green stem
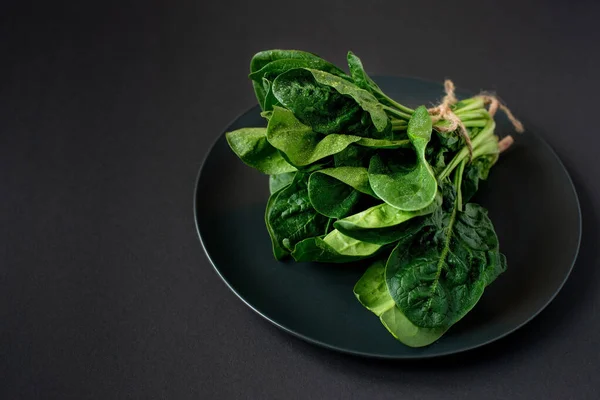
[
  {"x": 396, "y": 113},
  {"x": 480, "y": 123},
  {"x": 458, "y": 175},
  {"x": 469, "y": 104},
  {"x": 483, "y": 137},
  {"x": 394, "y": 103},
  {"x": 473, "y": 115}
]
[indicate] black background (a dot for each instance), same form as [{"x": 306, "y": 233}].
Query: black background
[{"x": 106, "y": 113}]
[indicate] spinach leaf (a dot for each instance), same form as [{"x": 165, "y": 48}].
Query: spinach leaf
[
  {"x": 359, "y": 76},
  {"x": 362, "y": 97},
  {"x": 261, "y": 59},
  {"x": 330, "y": 104},
  {"x": 439, "y": 276},
  {"x": 252, "y": 147},
  {"x": 336, "y": 192},
  {"x": 405, "y": 187},
  {"x": 383, "y": 224},
  {"x": 279, "y": 181},
  {"x": 353, "y": 156},
  {"x": 299, "y": 144},
  {"x": 272, "y": 70},
  {"x": 474, "y": 172},
  {"x": 384, "y": 143},
  {"x": 372, "y": 292},
  {"x": 334, "y": 248},
  {"x": 290, "y": 217}
]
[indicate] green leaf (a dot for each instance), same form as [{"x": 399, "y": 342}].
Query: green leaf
[
  {"x": 405, "y": 187},
  {"x": 261, "y": 59},
  {"x": 372, "y": 292},
  {"x": 358, "y": 74},
  {"x": 354, "y": 156},
  {"x": 362, "y": 97},
  {"x": 371, "y": 289},
  {"x": 299, "y": 144},
  {"x": 290, "y": 217},
  {"x": 330, "y": 104},
  {"x": 383, "y": 224},
  {"x": 439, "y": 276},
  {"x": 384, "y": 143},
  {"x": 279, "y": 181},
  {"x": 273, "y": 69},
  {"x": 277, "y": 67},
  {"x": 474, "y": 172},
  {"x": 252, "y": 147},
  {"x": 336, "y": 192},
  {"x": 334, "y": 248}
]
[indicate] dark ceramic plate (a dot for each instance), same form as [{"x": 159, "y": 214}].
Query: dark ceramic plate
[{"x": 530, "y": 199}]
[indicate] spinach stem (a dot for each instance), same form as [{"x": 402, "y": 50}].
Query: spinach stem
[
  {"x": 475, "y": 123},
  {"x": 469, "y": 104},
  {"x": 394, "y": 103},
  {"x": 472, "y": 115},
  {"x": 482, "y": 138},
  {"x": 458, "y": 175},
  {"x": 396, "y": 113}
]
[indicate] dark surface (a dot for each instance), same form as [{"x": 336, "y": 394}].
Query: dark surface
[
  {"x": 315, "y": 301},
  {"x": 106, "y": 113}
]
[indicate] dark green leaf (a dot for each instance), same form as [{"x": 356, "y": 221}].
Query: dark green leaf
[
  {"x": 474, "y": 172},
  {"x": 358, "y": 74},
  {"x": 440, "y": 275},
  {"x": 336, "y": 192},
  {"x": 354, "y": 156},
  {"x": 372, "y": 292},
  {"x": 291, "y": 218},
  {"x": 330, "y": 104},
  {"x": 362, "y": 97},
  {"x": 261, "y": 59}
]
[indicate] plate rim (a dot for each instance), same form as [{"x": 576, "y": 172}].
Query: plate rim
[{"x": 348, "y": 351}]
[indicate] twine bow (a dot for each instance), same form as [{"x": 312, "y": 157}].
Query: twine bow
[{"x": 444, "y": 111}]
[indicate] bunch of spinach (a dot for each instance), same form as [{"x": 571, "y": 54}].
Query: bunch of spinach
[{"x": 353, "y": 174}]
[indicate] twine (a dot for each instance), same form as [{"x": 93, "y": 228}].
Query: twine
[{"x": 444, "y": 111}]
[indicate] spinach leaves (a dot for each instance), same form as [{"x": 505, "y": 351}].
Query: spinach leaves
[
  {"x": 354, "y": 174},
  {"x": 406, "y": 187}
]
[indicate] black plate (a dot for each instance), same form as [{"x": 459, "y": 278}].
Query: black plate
[{"x": 530, "y": 198}]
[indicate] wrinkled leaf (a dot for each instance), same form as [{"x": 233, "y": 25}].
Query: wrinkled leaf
[
  {"x": 290, "y": 217},
  {"x": 440, "y": 276},
  {"x": 330, "y": 104},
  {"x": 261, "y": 59},
  {"x": 474, "y": 172},
  {"x": 272, "y": 70},
  {"x": 372, "y": 292}
]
